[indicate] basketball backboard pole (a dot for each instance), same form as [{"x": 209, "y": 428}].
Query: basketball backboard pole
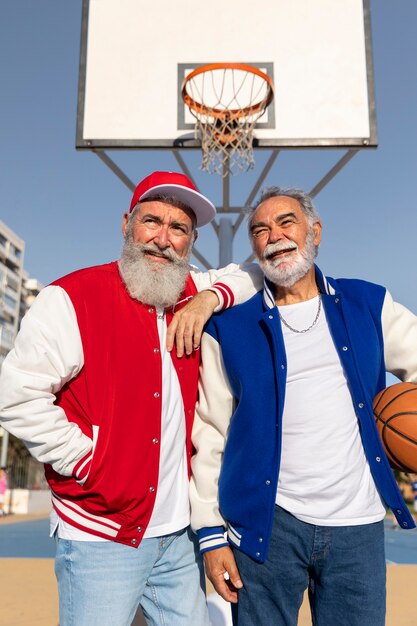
[
  {"x": 225, "y": 228},
  {"x": 115, "y": 169},
  {"x": 104, "y": 157},
  {"x": 187, "y": 172},
  {"x": 225, "y": 234},
  {"x": 313, "y": 193},
  {"x": 333, "y": 171},
  {"x": 225, "y": 241}
]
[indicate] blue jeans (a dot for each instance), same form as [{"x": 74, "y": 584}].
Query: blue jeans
[
  {"x": 103, "y": 583},
  {"x": 343, "y": 568}
]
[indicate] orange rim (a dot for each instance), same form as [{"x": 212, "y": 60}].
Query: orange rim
[{"x": 202, "y": 109}]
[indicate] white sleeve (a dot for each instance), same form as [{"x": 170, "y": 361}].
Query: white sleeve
[
  {"x": 232, "y": 284},
  {"x": 48, "y": 353},
  {"x": 399, "y": 328},
  {"x": 213, "y": 413}
]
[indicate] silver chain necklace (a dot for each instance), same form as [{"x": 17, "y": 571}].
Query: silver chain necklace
[{"x": 305, "y": 330}]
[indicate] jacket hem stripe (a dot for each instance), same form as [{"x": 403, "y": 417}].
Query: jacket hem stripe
[
  {"x": 84, "y": 520},
  {"x": 233, "y": 538}
]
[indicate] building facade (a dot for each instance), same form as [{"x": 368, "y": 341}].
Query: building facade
[
  {"x": 12, "y": 250},
  {"x": 17, "y": 292}
]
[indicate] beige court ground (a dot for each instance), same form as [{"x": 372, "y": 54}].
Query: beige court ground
[{"x": 28, "y": 595}]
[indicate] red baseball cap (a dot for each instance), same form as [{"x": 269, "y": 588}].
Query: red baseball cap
[{"x": 178, "y": 186}]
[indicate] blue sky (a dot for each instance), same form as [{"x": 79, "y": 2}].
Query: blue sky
[{"x": 67, "y": 205}]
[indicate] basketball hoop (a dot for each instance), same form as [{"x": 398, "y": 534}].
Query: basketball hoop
[{"x": 227, "y": 99}]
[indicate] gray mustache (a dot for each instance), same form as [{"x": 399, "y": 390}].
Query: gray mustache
[
  {"x": 166, "y": 254},
  {"x": 272, "y": 248}
]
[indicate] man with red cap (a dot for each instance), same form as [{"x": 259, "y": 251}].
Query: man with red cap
[{"x": 95, "y": 394}]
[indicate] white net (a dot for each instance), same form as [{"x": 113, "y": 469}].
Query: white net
[{"x": 226, "y": 103}]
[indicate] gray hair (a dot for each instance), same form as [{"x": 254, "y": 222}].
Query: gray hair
[{"x": 305, "y": 201}]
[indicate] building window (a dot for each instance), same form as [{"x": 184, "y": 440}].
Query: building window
[
  {"x": 12, "y": 283},
  {"x": 17, "y": 253},
  {"x": 9, "y": 301},
  {"x": 6, "y": 336}
]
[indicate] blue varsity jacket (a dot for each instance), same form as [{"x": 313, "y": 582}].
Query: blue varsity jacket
[{"x": 371, "y": 334}]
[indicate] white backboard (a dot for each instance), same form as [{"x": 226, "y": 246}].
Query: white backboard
[{"x": 135, "y": 54}]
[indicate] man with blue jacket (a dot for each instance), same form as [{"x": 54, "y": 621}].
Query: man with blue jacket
[{"x": 288, "y": 459}]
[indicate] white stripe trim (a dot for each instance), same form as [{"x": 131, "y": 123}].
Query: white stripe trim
[
  {"x": 329, "y": 289},
  {"x": 215, "y": 543},
  {"x": 269, "y": 298},
  {"x": 82, "y": 466},
  {"x": 84, "y": 519},
  {"x": 233, "y": 538},
  {"x": 234, "y": 531},
  {"x": 219, "y": 294},
  {"x": 75, "y": 506},
  {"x": 211, "y": 537},
  {"x": 225, "y": 291}
]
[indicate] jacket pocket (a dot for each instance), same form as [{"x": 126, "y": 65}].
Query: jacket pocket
[{"x": 83, "y": 467}]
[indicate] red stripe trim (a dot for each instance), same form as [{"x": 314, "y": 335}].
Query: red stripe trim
[
  {"x": 227, "y": 293},
  {"x": 82, "y": 468},
  {"x": 85, "y": 529},
  {"x": 65, "y": 508}
]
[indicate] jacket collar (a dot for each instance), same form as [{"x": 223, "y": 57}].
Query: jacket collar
[{"x": 322, "y": 283}]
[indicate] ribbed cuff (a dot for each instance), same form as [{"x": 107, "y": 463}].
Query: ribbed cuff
[
  {"x": 211, "y": 538},
  {"x": 225, "y": 296}
]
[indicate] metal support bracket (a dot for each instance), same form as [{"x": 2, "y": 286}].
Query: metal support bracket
[{"x": 225, "y": 229}]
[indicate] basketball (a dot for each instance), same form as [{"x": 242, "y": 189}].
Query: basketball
[{"x": 395, "y": 411}]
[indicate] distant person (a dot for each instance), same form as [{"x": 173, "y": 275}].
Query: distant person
[
  {"x": 3, "y": 489},
  {"x": 95, "y": 395},
  {"x": 288, "y": 457}
]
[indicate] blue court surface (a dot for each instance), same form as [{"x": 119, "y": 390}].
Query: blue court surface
[
  {"x": 400, "y": 545},
  {"x": 31, "y": 540},
  {"x": 26, "y": 540}
]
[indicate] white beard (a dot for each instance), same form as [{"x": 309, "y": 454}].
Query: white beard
[
  {"x": 150, "y": 282},
  {"x": 283, "y": 272}
]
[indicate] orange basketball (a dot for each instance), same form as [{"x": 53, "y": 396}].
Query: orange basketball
[{"x": 395, "y": 411}]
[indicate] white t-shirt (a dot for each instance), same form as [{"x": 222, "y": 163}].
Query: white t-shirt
[{"x": 324, "y": 476}]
